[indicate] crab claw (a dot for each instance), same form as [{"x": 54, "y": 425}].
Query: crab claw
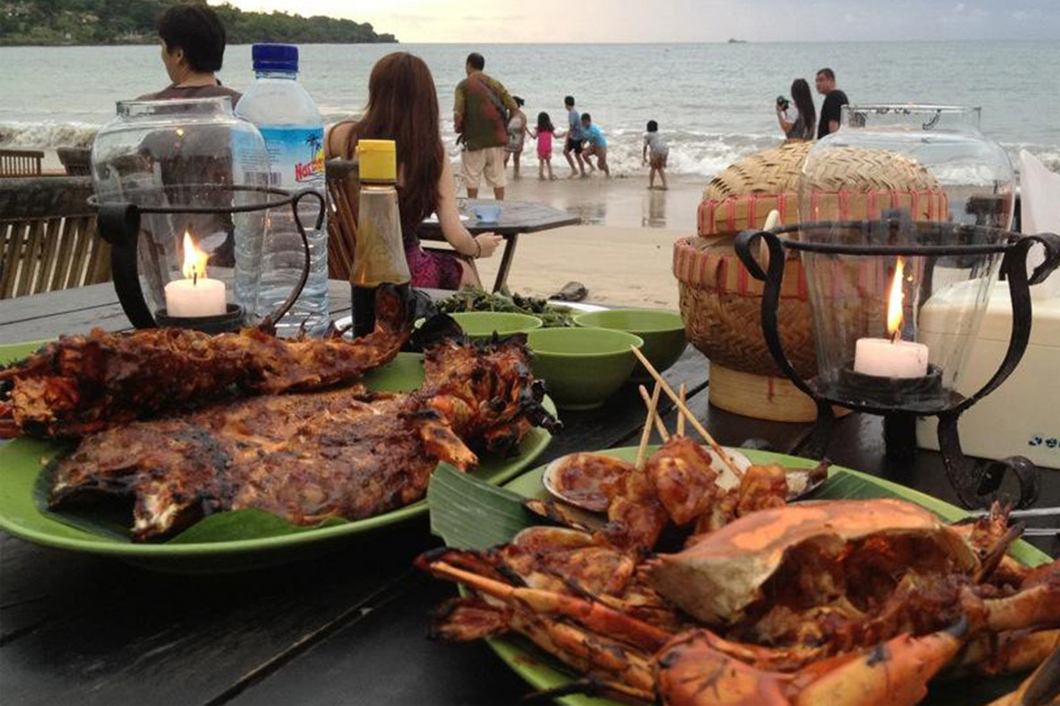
[
  {"x": 1041, "y": 687},
  {"x": 693, "y": 669},
  {"x": 700, "y": 669},
  {"x": 895, "y": 672}
]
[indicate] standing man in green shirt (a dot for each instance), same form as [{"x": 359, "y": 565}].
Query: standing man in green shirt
[{"x": 480, "y": 115}]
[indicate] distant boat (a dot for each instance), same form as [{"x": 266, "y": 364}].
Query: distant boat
[{"x": 737, "y": 41}]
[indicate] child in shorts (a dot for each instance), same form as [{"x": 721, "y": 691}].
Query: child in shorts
[
  {"x": 655, "y": 153},
  {"x": 544, "y": 133}
]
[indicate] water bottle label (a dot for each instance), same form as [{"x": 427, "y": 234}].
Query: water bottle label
[
  {"x": 248, "y": 159},
  {"x": 296, "y": 156}
]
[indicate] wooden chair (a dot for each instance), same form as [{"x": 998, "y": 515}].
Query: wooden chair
[
  {"x": 342, "y": 218},
  {"x": 48, "y": 237},
  {"x": 77, "y": 161},
  {"x": 20, "y": 163},
  {"x": 342, "y": 221}
]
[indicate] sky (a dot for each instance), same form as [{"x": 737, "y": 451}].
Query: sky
[{"x": 502, "y": 21}]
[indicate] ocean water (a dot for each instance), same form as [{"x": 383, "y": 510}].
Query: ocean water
[{"x": 714, "y": 102}]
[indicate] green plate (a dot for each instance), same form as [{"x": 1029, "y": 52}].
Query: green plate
[
  {"x": 21, "y": 461},
  {"x": 542, "y": 671}
]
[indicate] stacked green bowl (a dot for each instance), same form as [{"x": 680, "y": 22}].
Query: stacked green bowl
[
  {"x": 663, "y": 333},
  {"x": 483, "y": 324},
  {"x": 582, "y": 367}
]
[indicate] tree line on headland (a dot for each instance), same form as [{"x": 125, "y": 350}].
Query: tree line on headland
[{"x": 63, "y": 22}]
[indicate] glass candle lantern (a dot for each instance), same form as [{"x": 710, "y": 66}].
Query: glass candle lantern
[
  {"x": 903, "y": 219},
  {"x": 183, "y": 197}
]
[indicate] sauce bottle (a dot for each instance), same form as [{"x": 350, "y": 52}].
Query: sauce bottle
[{"x": 379, "y": 254}]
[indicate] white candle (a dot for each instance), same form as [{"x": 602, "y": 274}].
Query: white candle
[
  {"x": 893, "y": 357},
  {"x": 195, "y": 296},
  {"x": 890, "y": 359},
  {"x": 191, "y": 298}
]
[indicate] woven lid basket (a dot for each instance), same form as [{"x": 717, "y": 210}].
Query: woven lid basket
[
  {"x": 721, "y": 303},
  {"x": 853, "y": 184}
]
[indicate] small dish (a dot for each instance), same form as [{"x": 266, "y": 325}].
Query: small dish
[
  {"x": 483, "y": 324},
  {"x": 663, "y": 333},
  {"x": 582, "y": 367}
]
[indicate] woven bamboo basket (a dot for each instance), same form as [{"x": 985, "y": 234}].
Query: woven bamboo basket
[{"x": 720, "y": 301}]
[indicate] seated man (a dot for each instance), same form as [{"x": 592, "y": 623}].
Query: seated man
[
  {"x": 193, "y": 47},
  {"x": 595, "y": 144}
]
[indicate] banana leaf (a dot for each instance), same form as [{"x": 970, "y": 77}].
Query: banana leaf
[{"x": 111, "y": 520}]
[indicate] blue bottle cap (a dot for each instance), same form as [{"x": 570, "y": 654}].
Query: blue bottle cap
[{"x": 275, "y": 57}]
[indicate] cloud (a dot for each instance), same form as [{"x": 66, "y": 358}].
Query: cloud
[{"x": 959, "y": 8}]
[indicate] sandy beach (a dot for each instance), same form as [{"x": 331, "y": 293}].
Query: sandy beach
[{"x": 623, "y": 251}]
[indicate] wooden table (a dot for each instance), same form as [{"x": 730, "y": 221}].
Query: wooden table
[
  {"x": 345, "y": 628},
  {"x": 516, "y": 217}
]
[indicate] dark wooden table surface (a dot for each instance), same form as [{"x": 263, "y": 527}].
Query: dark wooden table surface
[
  {"x": 516, "y": 217},
  {"x": 344, "y": 628}
]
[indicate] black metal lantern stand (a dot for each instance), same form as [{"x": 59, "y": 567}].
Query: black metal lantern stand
[
  {"x": 902, "y": 400},
  {"x": 119, "y": 225}
]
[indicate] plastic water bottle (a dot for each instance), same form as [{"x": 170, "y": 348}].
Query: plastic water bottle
[{"x": 294, "y": 137}]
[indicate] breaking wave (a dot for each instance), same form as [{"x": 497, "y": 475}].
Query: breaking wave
[{"x": 692, "y": 153}]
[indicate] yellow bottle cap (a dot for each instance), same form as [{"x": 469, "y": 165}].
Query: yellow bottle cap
[{"x": 378, "y": 161}]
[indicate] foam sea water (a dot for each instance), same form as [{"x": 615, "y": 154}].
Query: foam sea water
[{"x": 714, "y": 102}]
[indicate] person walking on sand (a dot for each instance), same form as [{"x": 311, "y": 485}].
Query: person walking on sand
[
  {"x": 574, "y": 138},
  {"x": 659, "y": 151},
  {"x": 834, "y": 100},
  {"x": 517, "y": 132},
  {"x": 479, "y": 114},
  {"x": 595, "y": 144},
  {"x": 544, "y": 134}
]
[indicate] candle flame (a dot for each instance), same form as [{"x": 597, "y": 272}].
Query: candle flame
[
  {"x": 894, "y": 302},
  {"x": 194, "y": 259}
]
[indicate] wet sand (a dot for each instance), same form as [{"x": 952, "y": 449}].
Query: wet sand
[{"x": 623, "y": 251}]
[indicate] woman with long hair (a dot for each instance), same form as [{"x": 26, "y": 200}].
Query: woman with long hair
[
  {"x": 403, "y": 106},
  {"x": 799, "y": 126}
]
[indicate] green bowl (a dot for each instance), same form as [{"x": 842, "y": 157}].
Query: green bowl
[
  {"x": 483, "y": 324},
  {"x": 663, "y": 333},
  {"x": 582, "y": 367}
]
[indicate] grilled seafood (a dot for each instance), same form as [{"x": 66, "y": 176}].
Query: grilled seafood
[
  {"x": 680, "y": 485},
  {"x": 861, "y": 603},
  {"x": 345, "y": 453},
  {"x": 82, "y": 384}
]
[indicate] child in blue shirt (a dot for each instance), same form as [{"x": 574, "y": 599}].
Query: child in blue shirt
[{"x": 595, "y": 143}]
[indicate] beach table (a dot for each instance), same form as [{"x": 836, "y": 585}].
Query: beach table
[
  {"x": 517, "y": 217},
  {"x": 345, "y": 627}
]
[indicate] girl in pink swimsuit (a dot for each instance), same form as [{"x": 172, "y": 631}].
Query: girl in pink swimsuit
[{"x": 544, "y": 134}]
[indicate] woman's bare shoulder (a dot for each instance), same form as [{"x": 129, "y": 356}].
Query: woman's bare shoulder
[{"x": 340, "y": 139}]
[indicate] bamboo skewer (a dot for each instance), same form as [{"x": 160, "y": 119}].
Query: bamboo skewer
[
  {"x": 659, "y": 426},
  {"x": 714, "y": 445},
  {"x": 681, "y": 415},
  {"x": 646, "y": 434}
]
